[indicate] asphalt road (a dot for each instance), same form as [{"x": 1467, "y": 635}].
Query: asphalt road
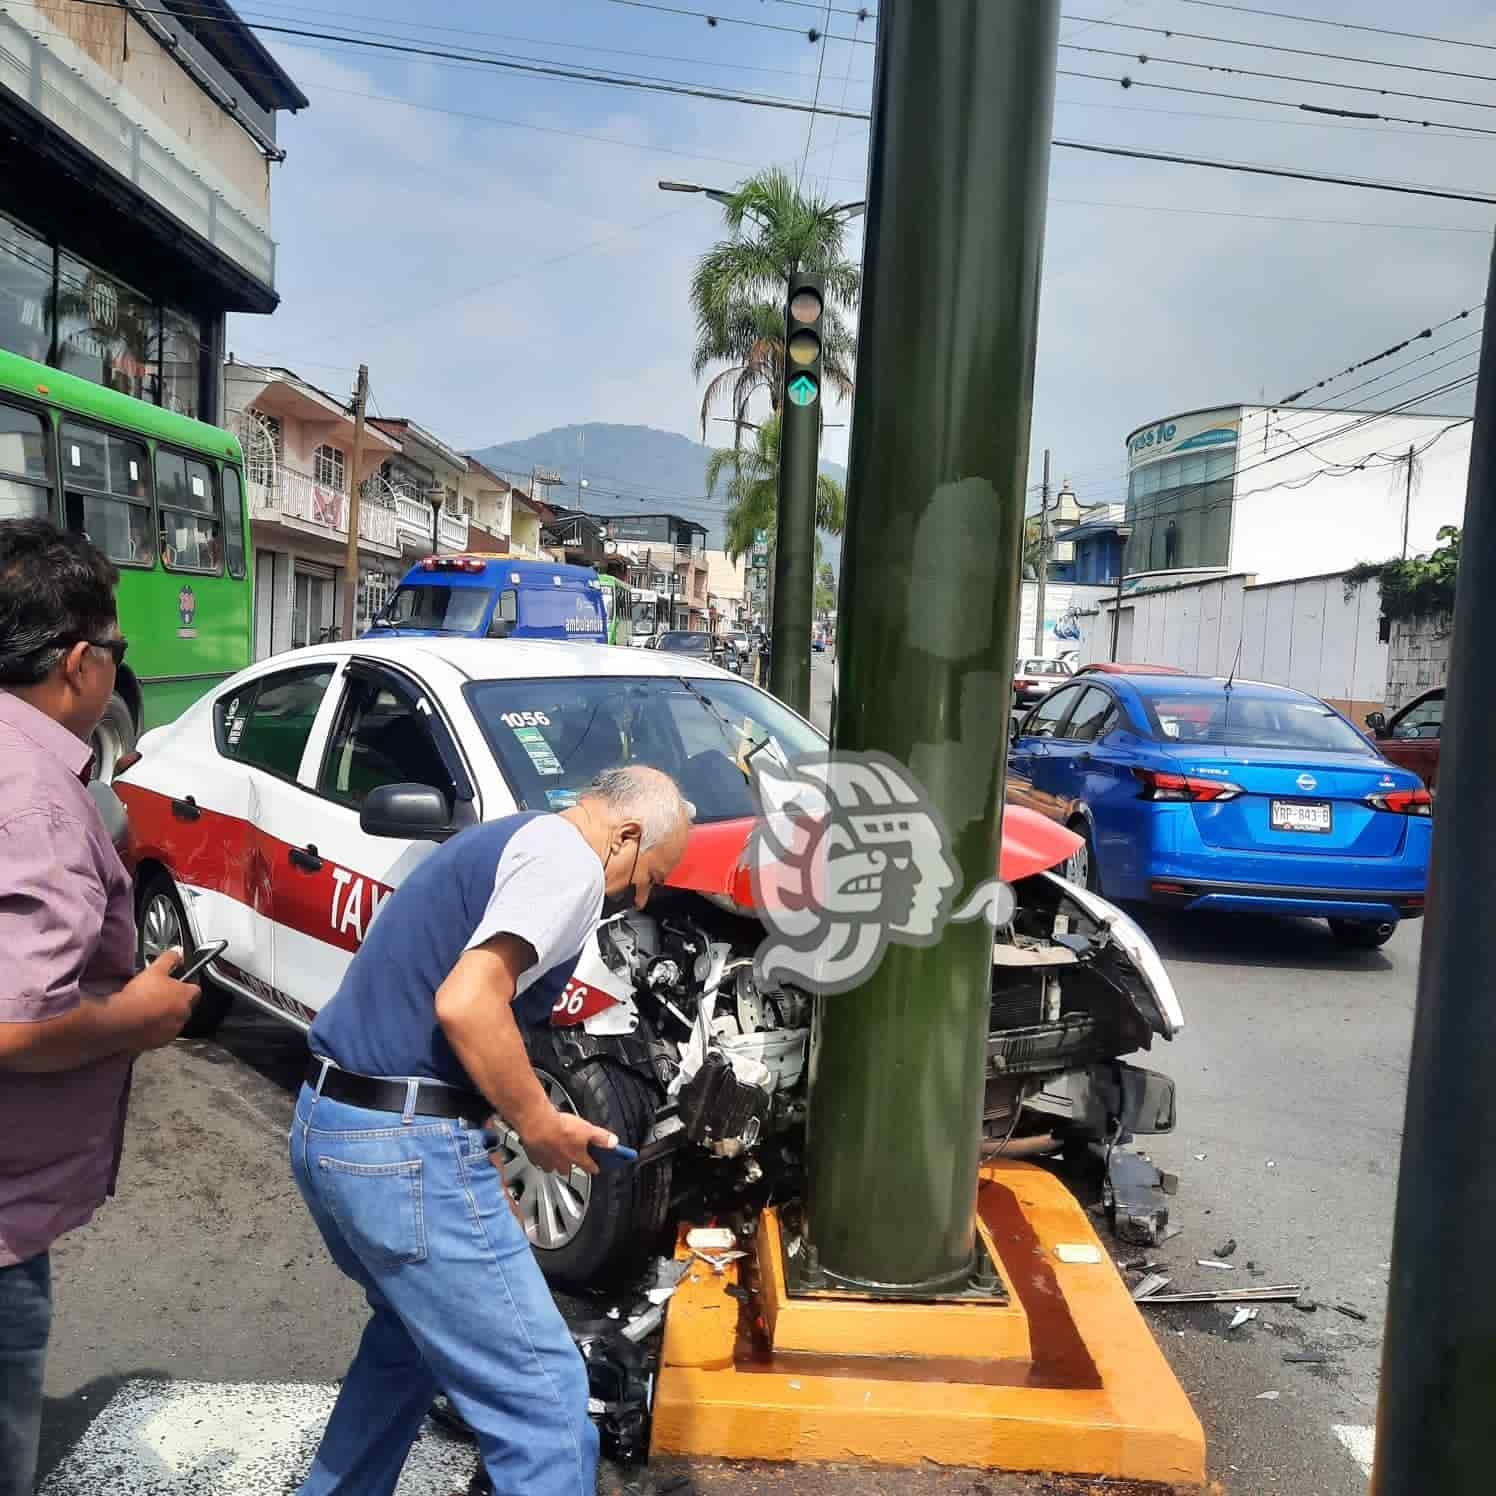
[{"x": 206, "y": 1271}]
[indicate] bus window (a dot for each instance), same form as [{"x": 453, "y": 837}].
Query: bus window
[
  {"x": 233, "y": 521},
  {"x": 189, "y": 513},
  {"x": 24, "y": 489},
  {"x": 107, "y": 483}
]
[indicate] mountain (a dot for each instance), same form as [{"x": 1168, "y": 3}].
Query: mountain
[{"x": 628, "y": 470}]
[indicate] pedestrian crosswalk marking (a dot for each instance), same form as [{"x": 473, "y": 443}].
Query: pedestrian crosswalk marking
[
  {"x": 1361, "y": 1441},
  {"x": 156, "y": 1438}
]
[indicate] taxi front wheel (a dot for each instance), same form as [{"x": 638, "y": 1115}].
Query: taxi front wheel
[{"x": 161, "y": 923}]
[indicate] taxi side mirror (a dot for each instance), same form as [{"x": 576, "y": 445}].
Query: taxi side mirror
[
  {"x": 1015, "y": 729},
  {"x": 411, "y": 812},
  {"x": 1377, "y": 722}
]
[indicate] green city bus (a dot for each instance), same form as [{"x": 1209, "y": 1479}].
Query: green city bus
[
  {"x": 618, "y": 607},
  {"x": 162, "y": 496}
]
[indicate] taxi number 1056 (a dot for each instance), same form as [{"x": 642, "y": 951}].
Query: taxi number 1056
[{"x": 525, "y": 719}]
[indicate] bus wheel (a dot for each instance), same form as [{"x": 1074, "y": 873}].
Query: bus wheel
[{"x": 112, "y": 738}]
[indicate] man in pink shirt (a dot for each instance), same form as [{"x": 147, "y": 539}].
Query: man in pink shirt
[{"x": 73, "y": 1014}]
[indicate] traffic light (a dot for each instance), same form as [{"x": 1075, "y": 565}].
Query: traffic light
[
  {"x": 799, "y": 448},
  {"x": 802, "y": 341}
]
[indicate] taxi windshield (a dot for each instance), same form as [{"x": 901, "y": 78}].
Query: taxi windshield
[
  {"x": 450, "y": 610},
  {"x": 553, "y": 737}
]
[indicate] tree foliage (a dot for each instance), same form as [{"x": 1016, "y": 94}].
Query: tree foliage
[
  {"x": 749, "y": 478},
  {"x": 738, "y": 291},
  {"x": 1418, "y": 587}
]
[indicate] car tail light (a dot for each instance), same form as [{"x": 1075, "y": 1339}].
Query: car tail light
[
  {"x": 1159, "y": 784},
  {"x": 1404, "y": 802},
  {"x": 126, "y": 761}
]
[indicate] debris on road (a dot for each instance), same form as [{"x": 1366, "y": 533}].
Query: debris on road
[
  {"x": 1304, "y": 1358},
  {"x": 1283, "y": 1294},
  {"x": 1133, "y": 1195},
  {"x": 1151, "y": 1285},
  {"x": 1304, "y": 1304},
  {"x": 1267, "y": 1397},
  {"x": 1227, "y": 1248},
  {"x": 1350, "y": 1311},
  {"x": 1224, "y": 1267},
  {"x": 1241, "y": 1317}
]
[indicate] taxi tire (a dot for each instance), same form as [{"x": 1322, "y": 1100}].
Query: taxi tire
[
  {"x": 212, "y": 1007},
  {"x": 627, "y": 1207}
]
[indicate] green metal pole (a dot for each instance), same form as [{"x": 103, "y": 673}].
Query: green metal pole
[
  {"x": 799, "y": 446},
  {"x": 1438, "y": 1387},
  {"x": 962, "y": 108}
]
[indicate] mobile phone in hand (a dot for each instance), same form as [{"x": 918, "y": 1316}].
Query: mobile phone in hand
[
  {"x": 613, "y": 1158},
  {"x": 199, "y": 959}
]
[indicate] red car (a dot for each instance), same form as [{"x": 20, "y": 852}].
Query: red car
[
  {"x": 1411, "y": 738},
  {"x": 1119, "y": 667}
]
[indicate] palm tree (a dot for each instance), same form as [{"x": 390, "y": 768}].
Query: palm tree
[
  {"x": 738, "y": 291},
  {"x": 752, "y": 491}
]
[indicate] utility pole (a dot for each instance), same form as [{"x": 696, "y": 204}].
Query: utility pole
[
  {"x": 1043, "y": 567},
  {"x": 1438, "y": 1382},
  {"x": 795, "y": 531},
  {"x": 963, "y": 105},
  {"x": 1408, "y": 501},
  {"x": 350, "y": 561}
]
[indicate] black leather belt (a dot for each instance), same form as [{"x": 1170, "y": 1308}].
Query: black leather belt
[{"x": 432, "y": 1098}]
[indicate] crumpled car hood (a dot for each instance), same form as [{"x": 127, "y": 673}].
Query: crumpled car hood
[{"x": 716, "y": 862}]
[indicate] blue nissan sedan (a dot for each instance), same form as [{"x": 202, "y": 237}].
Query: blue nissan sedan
[{"x": 1238, "y": 797}]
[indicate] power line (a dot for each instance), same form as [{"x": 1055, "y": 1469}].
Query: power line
[
  {"x": 1221, "y": 67},
  {"x": 1417, "y": 36},
  {"x": 1253, "y": 169},
  {"x": 1233, "y": 41},
  {"x": 663, "y": 86},
  {"x": 721, "y": 20},
  {"x": 1408, "y": 364},
  {"x": 1427, "y": 332},
  {"x": 1216, "y": 93},
  {"x": 810, "y": 128}
]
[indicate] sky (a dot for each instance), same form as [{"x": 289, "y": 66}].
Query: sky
[{"x": 494, "y": 245}]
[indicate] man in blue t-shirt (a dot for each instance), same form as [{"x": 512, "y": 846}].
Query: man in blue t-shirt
[{"x": 418, "y": 1047}]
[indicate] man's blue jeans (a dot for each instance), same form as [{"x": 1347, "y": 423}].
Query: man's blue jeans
[
  {"x": 25, "y": 1319},
  {"x": 416, "y": 1215}
]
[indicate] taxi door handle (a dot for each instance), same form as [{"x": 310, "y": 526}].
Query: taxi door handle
[{"x": 306, "y": 859}]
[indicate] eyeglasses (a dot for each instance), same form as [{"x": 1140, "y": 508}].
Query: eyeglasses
[{"x": 116, "y": 648}]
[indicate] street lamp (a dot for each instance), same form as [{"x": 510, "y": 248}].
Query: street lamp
[
  {"x": 719, "y": 195},
  {"x": 1124, "y": 532}
]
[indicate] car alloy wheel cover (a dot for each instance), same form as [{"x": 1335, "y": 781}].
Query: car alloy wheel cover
[
  {"x": 552, "y": 1209},
  {"x": 160, "y": 927}
]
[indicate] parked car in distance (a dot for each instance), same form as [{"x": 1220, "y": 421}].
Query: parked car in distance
[
  {"x": 1035, "y": 678},
  {"x": 1237, "y": 797},
  {"x": 1119, "y": 667},
  {"x": 1411, "y": 738},
  {"x": 700, "y": 646}
]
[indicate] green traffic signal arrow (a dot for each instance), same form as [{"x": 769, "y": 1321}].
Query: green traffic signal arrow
[{"x": 803, "y": 389}]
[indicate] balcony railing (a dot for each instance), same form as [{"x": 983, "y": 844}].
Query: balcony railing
[
  {"x": 413, "y": 517},
  {"x": 158, "y": 167},
  {"x": 298, "y": 496}
]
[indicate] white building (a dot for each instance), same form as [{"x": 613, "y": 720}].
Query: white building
[{"x": 1277, "y": 492}]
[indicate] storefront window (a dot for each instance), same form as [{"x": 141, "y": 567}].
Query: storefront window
[
  {"x": 182, "y": 346},
  {"x": 107, "y": 332},
  {"x": 25, "y": 292}
]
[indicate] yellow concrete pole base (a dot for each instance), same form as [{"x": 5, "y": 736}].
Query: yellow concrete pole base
[{"x": 1064, "y": 1376}]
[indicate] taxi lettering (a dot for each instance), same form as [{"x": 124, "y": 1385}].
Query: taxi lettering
[{"x": 355, "y": 902}]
